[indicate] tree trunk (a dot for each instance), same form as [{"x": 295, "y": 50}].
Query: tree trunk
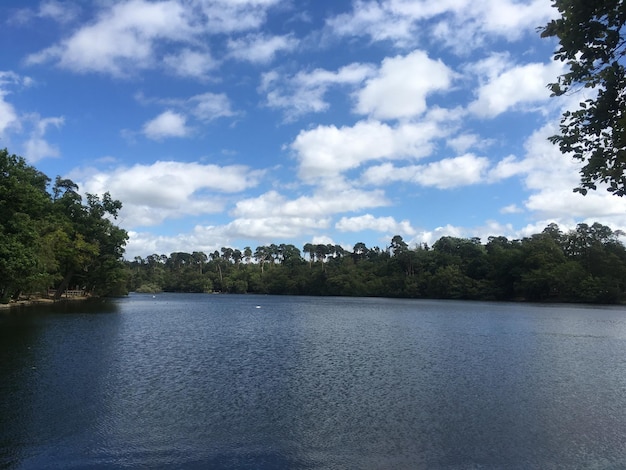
[{"x": 64, "y": 283}]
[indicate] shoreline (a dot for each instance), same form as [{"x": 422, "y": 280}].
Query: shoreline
[{"x": 39, "y": 301}]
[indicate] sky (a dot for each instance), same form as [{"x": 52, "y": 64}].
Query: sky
[{"x": 234, "y": 123}]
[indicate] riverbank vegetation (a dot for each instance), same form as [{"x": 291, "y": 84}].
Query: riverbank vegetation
[
  {"x": 587, "y": 264},
  {"x": 50, "y": 240}
]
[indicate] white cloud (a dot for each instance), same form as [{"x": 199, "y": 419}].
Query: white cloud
[
  {"x": 402, "y": 85},
  {"x": 9, "y": 118},
  {"x": 511, "y": 18},
  {"x": 513, "y": 87},
  {"x": 463, "y": 142},
  {"x": 208, "y": 238},
  {"x": 166, "y": 124},
  {"x": 190, "y": 63},
  {"x": 447, "y": 173},
  {"x": 258, "y": 48},
  {"x": 205, "y": 108},
  {"x": 8, "y": 115},
  {"x": 305, "y": 92},
  {"x": 431, "y": 236},
  {"x": 272, "y": 229},
  {"x": 549, "y": 177},
  {"x": 474, "y": 24},
  {"x": 556, "y": 202},
  {"x": 228, "y": 16},
  {"x": 511, "y": 209},
  {"x": 459, "y": 24},
  {"x": 37, "y": 147},
  {"x": 122, "y": 38},
  {"x": 168, "y": 189},
  {"x": 129, "y": 35},
  {"x": 209, "y": 106},
  {"x": 379, "y": 224},
  {"x": 507, "y": 167},
  {"x": 323, "y": 203},
  {"x": 327, "y": 151},
  {"x": 453, "y": 172},
  {"x": 62, "y": 12},
  {"x": 376, "y": 20}
]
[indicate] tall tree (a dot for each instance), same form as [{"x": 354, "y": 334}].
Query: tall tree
[
  {"x": 24, "y": 204},
  {"x": 591, "y": 43},
  {"x": 53, "y": 238}
]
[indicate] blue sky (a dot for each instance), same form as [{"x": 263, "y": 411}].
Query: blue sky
[{"x": 248, "y": 122}]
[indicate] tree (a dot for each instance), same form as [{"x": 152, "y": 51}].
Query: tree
[
  {"x": 49, "y": 239},
  {"x": 309, "y": 248},
  {"x": 591, "y": 43},
  {"x": 24, "y": 205}
]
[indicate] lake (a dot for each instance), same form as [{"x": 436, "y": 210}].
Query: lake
[{"x": 266, "y": 382}]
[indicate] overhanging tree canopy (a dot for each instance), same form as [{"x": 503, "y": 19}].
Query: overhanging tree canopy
[{"x": 591, "y": 42}]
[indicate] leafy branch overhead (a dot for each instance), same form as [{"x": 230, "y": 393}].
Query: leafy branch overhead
[{"x": 591, "y": 43}]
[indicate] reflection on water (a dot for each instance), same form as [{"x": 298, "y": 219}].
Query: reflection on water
[{"x": 206, "y": 381}]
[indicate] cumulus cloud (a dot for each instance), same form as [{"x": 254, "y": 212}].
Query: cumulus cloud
[
  {"x": 327, "y": 151},
  {"x": 443, "y": 174},
  {"x": 121, "y": 39},
  {"x": 209, "y": 106},
  {"x": 323, "y": 203},
  {"x": 549, "y": 177},
  {"x": 510, "y": 18},
  {"x": 378, "y": 224},
  {"x": 31, "y": 126},
  {"x": 401, "y": 86},
  {"x": 126, "y": 36},
  {"x": 511, "y": 209},
  {"x": 208, "y": 238},
  {"x": 271, "y": 229},
  {"x": 459, "y": 24},
  {"x": 377, "y": 20},
  {"x": 431, "y": 236},
  {"x": 168, "y": 189},
  {"x": 37, "y": 147},
  {"x": 174, "y": 122},
  {"x": 453, "y": 172},
  {"x": 305, "y": 91},
  {"x": 191, "y": 63},
  {"x": 463, "y": 142},
  {"x": 227, "y": 16},
  {"x": 62, "y": 12},
  {"x": 8, "y": 115},
  {"x": 512, "y": 87},
  {"x": 166, "y": 124},
  {"x": 261, "y": 49}
]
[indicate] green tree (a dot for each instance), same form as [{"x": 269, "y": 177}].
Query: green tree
[
  {"x": 53, "y": 238},
  {"x": 24, "y": 205},
  {"x": 591, "y": 43}
]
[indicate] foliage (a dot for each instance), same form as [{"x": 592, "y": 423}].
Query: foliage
[
  {"x": 54, "y": 240},
  {"x": 591, "y": 43},
  {"x": 587, "y": 264}
]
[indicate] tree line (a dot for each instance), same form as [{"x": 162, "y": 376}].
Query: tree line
[
  {"x": 587, "y": 264},
  {"x": 51, "y": 239}
]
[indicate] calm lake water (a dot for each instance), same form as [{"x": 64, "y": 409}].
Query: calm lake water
[{"x": 263, "y": 382}]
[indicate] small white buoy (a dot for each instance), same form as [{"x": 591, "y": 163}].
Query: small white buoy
[{"x": 258, "y": 306}]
